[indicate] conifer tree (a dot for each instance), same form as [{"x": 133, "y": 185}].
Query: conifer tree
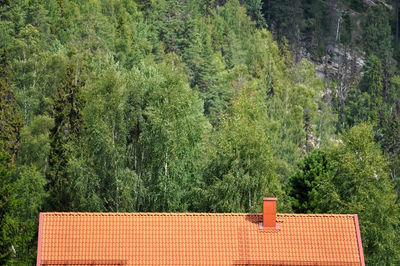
[
  {"x": 254, "y": 10},
  {"x": 67, "y": 119},
  {"x": 10, "y": 118},
  {"x": 376, "y": 33},
  {"x": 364, "y": 103},
  {"x": 8, "y": 208}
]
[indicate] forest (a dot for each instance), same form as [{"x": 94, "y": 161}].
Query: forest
[{"x": 199, "y": 106}]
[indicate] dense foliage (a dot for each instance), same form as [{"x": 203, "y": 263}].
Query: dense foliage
[{"x": 157, "y": 105}]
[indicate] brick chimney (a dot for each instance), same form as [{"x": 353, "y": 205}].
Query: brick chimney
[{"x": 269, "y": 213}]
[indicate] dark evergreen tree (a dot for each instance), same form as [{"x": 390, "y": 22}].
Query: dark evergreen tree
[
  {"x": 283, "y": 18},
  {"x": 10, "y": 118},
  {"x": 364, "y": 103},
  {"x": 346, "y": 32},
  {"x": 311, "y": 169},
  {"x": 171, "y": 26},
  {"x": 254, "y": 10},
  {"x": 8, "y": 208},
  {"x": 376, "y": 32},
  {"x": 68, "y": 122}
]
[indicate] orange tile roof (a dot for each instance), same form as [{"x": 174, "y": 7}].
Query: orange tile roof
[{"x": 197, "y": 239}]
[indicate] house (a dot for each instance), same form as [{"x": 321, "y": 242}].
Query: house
[{"x": 199, "y": 238}]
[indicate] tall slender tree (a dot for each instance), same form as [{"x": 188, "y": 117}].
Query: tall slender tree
[
  {"x": 68, "y": 121},
  {"x": 10, "y": 118},
  {"x": 8, "y": 207}
]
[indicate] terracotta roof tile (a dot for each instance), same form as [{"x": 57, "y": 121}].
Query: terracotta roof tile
[{"x": 196, "y": 239}]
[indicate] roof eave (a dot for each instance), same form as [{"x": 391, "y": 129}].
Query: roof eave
[
  {"x": 39, "y": 248},
  {"x": 360, "y": 248}
]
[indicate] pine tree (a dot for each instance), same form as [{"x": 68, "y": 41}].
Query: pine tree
[
  {"x": 300, "y": 187},
  {"x": 376, "y": 32},
  {"x": 8, "y": 207},
  {"x": 171, "y": 20},
  {"x": 67, "y": 118},
  {"x": 254, "y": 10},
  {"x": 10, "y": 118},
  {"x": 364, "y": 103}
]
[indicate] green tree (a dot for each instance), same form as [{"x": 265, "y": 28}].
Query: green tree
[
  {"x": 301, "y": 186},
  {"x": 167, "y": 128},
  {"x": 10, "y": 118},
  {"x": 171, "y": 20},
  {"x": 67, "y": 127},
  {"x": 365, "y": 102},
  {"x": 8, "y": 207},
  {"x": 35, "y": 143},
  {"x": 30, "y": 194},
  {"x": 99, "y": 166},
  {"x": 241, "y": 167},
  {"x": 376, "y": 32},
  {"x": 353, "y": 178},
  {"x": 30, "y": 69},
  {"x": 346, "y": 31},
  {"x": 31, "y": 167},
  {"x": 254, "y": 10},
  {"x": 389, "y": 129},
  {"x": 204, "y": 68}
]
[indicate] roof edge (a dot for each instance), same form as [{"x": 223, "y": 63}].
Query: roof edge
[
  {"x": 294, "y": 262},
  {"x": 188, "y": 214},
  {"x": 360, "y": 248},
  {"x": 39, "y": 247}
]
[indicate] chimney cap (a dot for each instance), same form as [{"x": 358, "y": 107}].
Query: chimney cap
[{"x": 270, "y": 199}]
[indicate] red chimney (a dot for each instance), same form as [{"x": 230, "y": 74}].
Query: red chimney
[{"x": 269, "y": 213}]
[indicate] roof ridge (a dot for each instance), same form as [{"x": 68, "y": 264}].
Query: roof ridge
[{"x": 189, "y": 214}]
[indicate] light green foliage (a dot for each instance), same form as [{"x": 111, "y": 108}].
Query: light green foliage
[
  {"x": 35, "y": 143},
  {"x": 31, "y": 195},
  {"x": 304, "y": 121},
  {"x": 177, "y": 106},
  {"x": 352, "y": 177},
  {"x": 318, "y": 119},
  {"x": 168, "y": 128},
  {"x": 361, "y": 177},
  {"x": 241, "y": 166},
  {"x": 33, "y": 69},
  {"x": 104, "y": 175}
]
